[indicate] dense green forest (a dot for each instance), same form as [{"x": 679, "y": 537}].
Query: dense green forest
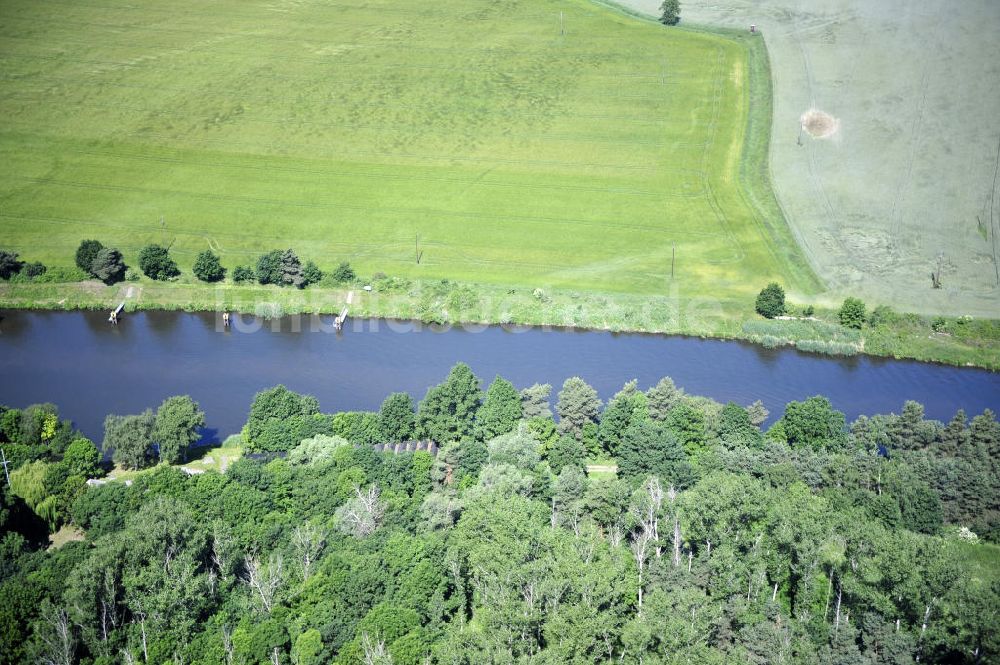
[{"x": 714, "y": 542}]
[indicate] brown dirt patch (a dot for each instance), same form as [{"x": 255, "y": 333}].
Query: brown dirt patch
[
  {"x": 66, "y": 534},
  {"x": 818, "y": 124}
]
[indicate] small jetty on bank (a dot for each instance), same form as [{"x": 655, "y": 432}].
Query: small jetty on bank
[
  {"x": 340, "y": 319},
  {"x": 113, "y": 318}
]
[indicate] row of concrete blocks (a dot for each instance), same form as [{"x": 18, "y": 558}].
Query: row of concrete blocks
[{"x": 407, "y": 447}]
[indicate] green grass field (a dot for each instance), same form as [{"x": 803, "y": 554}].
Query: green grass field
[{"x": 521, "y": 155}]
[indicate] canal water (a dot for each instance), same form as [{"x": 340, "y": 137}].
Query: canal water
[{"x": 90, "y": 368}]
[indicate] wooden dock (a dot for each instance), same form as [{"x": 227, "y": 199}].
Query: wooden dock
[
  {"x": 115, "y": 312},
  {"x": 338, "y": 322}
]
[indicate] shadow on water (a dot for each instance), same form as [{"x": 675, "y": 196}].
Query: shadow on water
[
  {"x": 767, "y": 357},
  {"x": 208, "y": 438},
  {"x": 161, "y": 324},
  {"x": 13, "y": 326},
  {"x": 210, "y": 321}
]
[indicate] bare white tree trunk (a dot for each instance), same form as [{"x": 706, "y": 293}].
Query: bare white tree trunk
[
  {"x": 829, "y": 590},
  {"x": 375, "y": 652},
  {"x": 145, "y": 646},
  {"x": 677, "y": 542},
  {"x": 646, "y": 511},
  {"x": 109, "y": 608},
  {"x": 655, "y": 505},
  {"x": 264, "y": 580},
  {"x": 923, "y": 629},
  {"x": 363, "y": 514},
  {"x": 308, "y": 541},
  {"x": 141, "y": 615},
  {"x": 227, "y": 643},
  {"x": 576, "y": 517},
  {"x": 56, "y": 637},
  {"x": 210, "y": 579},
  {"x": 639, "y": 546},
  {"x": 220, "y": 542},
  {"x": 840, "y": 596}
]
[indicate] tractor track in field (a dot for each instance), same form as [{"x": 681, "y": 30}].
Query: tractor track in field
[
  {"x": 738, "y": 254},
  {"x": 257, "y": 147},
  {"x": 406, "y": 212},
  {"x": 242, "y": 95},
  {"x": 906, "y": 174},
  {"x": 394, "y": 177},
  {"x": 815, "y": 177},
  {"x": 157, "y": 114},
  {"x": 257, "y": 37}
]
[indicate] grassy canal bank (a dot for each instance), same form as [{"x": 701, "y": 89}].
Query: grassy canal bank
[{"x": 950, "y": 340}]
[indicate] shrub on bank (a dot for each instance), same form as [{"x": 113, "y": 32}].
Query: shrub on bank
[
  {"x": 852, "y": 313},
  {"x": 60, "y": 274},
  {"x": 771, "y": 301},
  {"x": 16, "y": 270},
  {"x": 243, "y": 274},
  {"x": 344, "y": 273},
  {"x": 156, "y": 263},
  {"x": 86, "y": 253},
  {"x": 33, "y": 270},
  {"x": 108, "y": 266},
  {"x": 882, "y": 315},
  {"x": 207, "y": 267},
  {"x": 10, "y": 265},
  {"x": 311, "y": 273}
]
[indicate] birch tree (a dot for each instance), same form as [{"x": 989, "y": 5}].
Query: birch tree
[
  {"x": 361, "y": 515},
  {"x": 308, "y": 541},
  {"x": 55, "y": 636},
  {"x": 264, "y": 579}
]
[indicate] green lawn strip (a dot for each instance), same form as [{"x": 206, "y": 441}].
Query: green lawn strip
[{"x": 200, "y": 459}]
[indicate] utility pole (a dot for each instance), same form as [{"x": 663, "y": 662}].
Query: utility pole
[
  {"x": 416, "y": 248},
  {"x": 673, "y": 258},
  {"x": 4, "y": 457},
  {"x": 562, "y": 29}
]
